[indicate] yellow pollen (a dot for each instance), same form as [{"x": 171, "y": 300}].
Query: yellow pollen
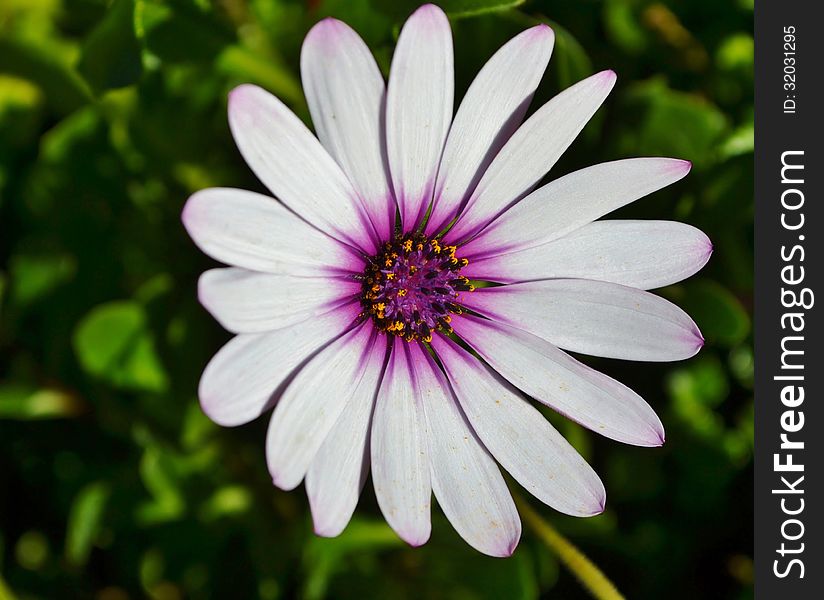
[
  {"x": 402, "y": 292},
  {"x": 407, "y": 245}
]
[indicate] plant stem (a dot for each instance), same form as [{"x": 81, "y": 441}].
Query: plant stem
[{"x": 584, "y": 569}]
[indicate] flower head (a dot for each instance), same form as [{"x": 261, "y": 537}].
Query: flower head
[{"x": 353, "y": 294}]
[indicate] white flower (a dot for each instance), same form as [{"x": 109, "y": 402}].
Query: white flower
[{"x": 344, "y": 314}]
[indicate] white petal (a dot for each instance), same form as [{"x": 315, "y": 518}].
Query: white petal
[
  {"x": 466, "y": 481},
  {"x": 519, "y": 437},
  {"x": 553, "y": 377},
  {"x": 257, "y": 232},
  {"x": 489, "y": 113},
  {"x": 250, "y": 302},
  {"x": 346, "y": 93},
  {"x": 419, "y": 109},
  {"x": 338, "y": 471},
  {"x": 291, "y": 162},
  {"x": 312, "y": 403},
  {"x": 400, "y": 465},
  {"x": 241, "y": 380},
  {"x": 531, "y": 152},
  {"x": 574, "y": 200},
  {"x": 593, "y": 317},
  {"x": 640, "y": 254}
]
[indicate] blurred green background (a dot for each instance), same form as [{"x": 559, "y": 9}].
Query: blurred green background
[{"x": 113, "y": 485}]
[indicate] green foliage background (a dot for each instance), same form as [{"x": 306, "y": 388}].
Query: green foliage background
[{"x": 113, "y": 485}]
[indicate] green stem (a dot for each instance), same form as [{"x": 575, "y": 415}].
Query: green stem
[{"x": 584, "y": 570}]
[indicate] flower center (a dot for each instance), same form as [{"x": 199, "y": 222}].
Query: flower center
[{"x": 412, "y": 286}]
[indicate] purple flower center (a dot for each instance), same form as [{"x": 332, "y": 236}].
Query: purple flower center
[{"x": 412, "y": 286}]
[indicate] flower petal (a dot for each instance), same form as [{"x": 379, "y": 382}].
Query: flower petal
[
  {"x": 311, "y": 404},
  {"x": 640, "y": 254},
  {"x": 556, "y": 379},
  {"x": 291, "y": 162},
  {"x": 346, "y": 95},
  {"x": 338, "y": 471},
  {"x": 257, "y": 232},
  {"x": 242, "y": 379},
  {"x": 519, "y": 437},
  {"x": 489, "y": 113},
  {"x": 466, "y": 481},
  {"x": 531, "y": 152},
  {"x": 245, "y": 301},
  {"x": 593, "y": 317},
  {"x": 419, "y": 109},
  {"x": 400, "y": 462},
  {"x": 564, "y": 205}
]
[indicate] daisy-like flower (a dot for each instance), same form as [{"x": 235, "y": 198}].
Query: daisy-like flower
[{"x": 352, "y": 292}]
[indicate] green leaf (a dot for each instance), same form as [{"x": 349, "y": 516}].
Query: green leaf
[
  {"x": 23, "y": 402},
  {"x": 34, "y": 276},
  {"x": 245, "y": 64},
  {"x": 62, "y": 88},
  {"x": 458, "y": 9},
  {"x": 180, "y": 30},
  {"x": 718, "y": 313},
  {"x": 84, "y": 524},
  {"x": 111, "y": 53},
  {"x": 161, "y": 477},
  {"x": 113, "y": 342},
  {"x": 570, "y": 61},
  {"x": 672, "y": 123},
  {"x": 324, "y": 556}
]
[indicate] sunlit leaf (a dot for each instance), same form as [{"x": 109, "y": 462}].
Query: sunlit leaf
[
  {"x": 324, "y": 556},
  {"x": 23, "y": 402},
  {"x": 162, "y": 481},
  {"x": 472, "y": 8},
  {"x": 113, "y": 343},
  {"x": 63, "y": 89},
  {"x": 34, "y": 276},
  {"x": 85, "y": 521}
]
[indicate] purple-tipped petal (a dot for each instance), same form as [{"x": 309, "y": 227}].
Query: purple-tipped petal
[
  {"x": 593, "y": 317},
  {"x": 639, "y": 254},
  {"x": 346, "y": 95},
  {"x": 489, "y": 113},
  {"x": 253, "y": 231},
  {"x": 245, "y": 301},
  {"x": 338, "y": 471},
  {"x": 312, "y": 403},
  {"x": 554, "y": 378},
  {"x": 519, "y": 437},
  {"x": 574, "y": 200},
  {"x": 237, "y": 384},
  {"x": 400, "y": 458},
  {"x": 466, "y": 481},
  {"x": 531, "y": 152},
  {"x": 419, "y": 109},
  {"x": 291, "y": 162}
]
